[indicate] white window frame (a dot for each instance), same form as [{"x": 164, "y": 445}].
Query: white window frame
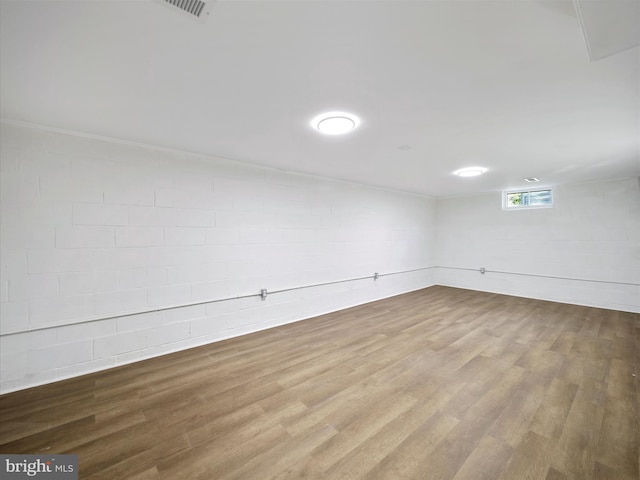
[{"x": 505, "y": 193}]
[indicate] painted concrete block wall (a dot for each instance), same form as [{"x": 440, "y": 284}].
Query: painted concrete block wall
[
  {"x": 95, "y": 229},
  {"x": 592, "y": 233}
]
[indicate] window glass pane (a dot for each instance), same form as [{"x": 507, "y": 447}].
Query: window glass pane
[
  {"x": 514, "y": 199},
  {"x": 541, "y": 197}
]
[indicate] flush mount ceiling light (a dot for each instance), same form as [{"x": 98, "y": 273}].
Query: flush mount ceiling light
[
  {"x": 531, "y": 179},
  {"x": 470, "y": 171},
  {"x": 335, "y": 123}
]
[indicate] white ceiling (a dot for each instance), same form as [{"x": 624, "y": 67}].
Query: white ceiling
[{"x": 506, "y": 84}]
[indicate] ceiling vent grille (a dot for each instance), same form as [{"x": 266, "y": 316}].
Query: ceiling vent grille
[{"x": 194, "y": 8}]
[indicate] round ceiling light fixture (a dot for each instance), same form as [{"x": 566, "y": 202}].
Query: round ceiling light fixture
[
  {"x": 470, "y": 171},
  {"x": 335, "y": 123}
]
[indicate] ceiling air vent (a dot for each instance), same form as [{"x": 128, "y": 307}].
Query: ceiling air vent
[{"x": 193, "y": 8}]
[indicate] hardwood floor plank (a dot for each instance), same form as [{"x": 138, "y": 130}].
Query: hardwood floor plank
[
  {"x": 372, "y": 451},
  {"x": 552, "y": 413},
  {"x": 406, "y": 460},
  {"x": 444, "y": 461},
  {"x": 231, "y": 431},
  {"x": 530, "y": 459},
  {"x": 327, "y": 460},
  {"x": 220, "y": 459},
  {"x": 604, "y": 472},
  {"x": 619, "y": 440},
  {"x": 287, "y": 459},
  {"x": 554, "y": 474},
  {"x": 575, "y": 452},
  {"x": 486, "y": 460},
  {"x": 515, "y": 420},
  {"x": 542, "y": 364}
]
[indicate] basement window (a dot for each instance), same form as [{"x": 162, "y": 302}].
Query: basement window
[{"x": 522, "y": 199}]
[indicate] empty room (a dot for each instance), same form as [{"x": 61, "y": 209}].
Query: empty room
[{"x": 330, "y": 240}]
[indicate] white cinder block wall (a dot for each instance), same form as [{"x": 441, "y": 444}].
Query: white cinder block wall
[
  {"x": 93, "y": 229},
  {"x": 592, "y": 233},
  {"x": 96, "y": 229}
]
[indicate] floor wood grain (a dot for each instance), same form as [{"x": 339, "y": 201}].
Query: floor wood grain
[{"x": 441, "y": 383}]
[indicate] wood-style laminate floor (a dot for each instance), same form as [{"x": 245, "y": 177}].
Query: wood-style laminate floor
[{"x": 441, "y": 383}]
